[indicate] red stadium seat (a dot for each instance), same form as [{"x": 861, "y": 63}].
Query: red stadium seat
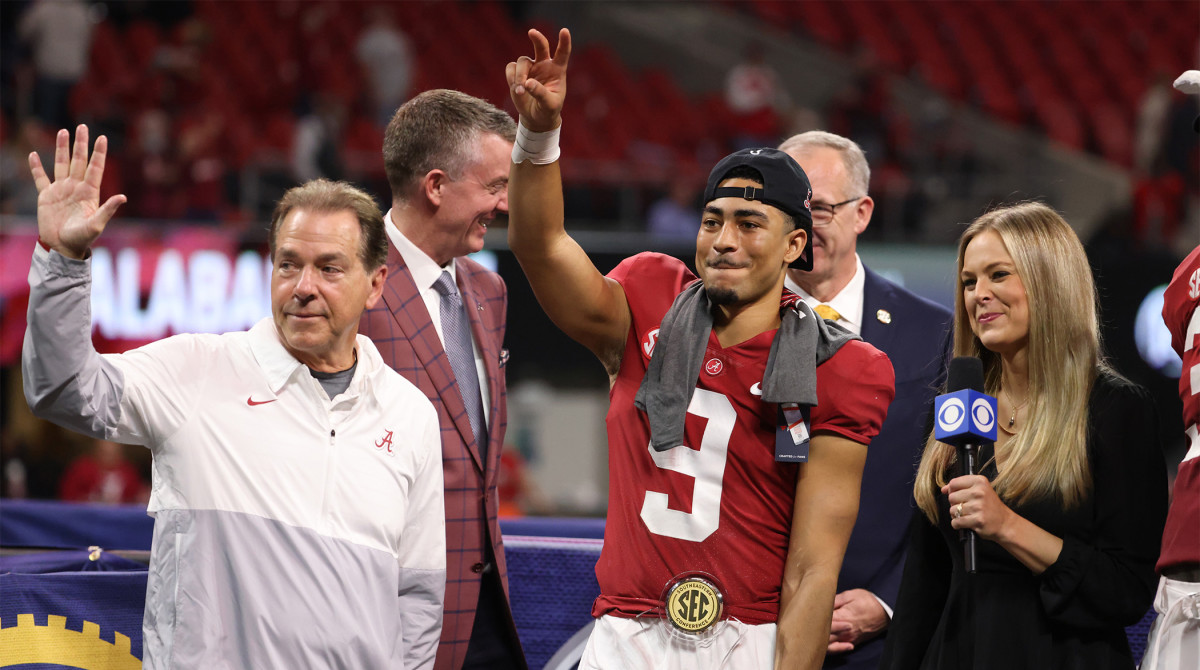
[
  {"x": 107, "y": 60},
  {"x": 675, "y": 121},
  {"x": 143, "y": 39},
  {"x": 821, "y": 19},
  {"x": 362, "y": 146},
  {"x": 274, "y": 143},
  {"x": 1112, "y": 129},
  {"x": 1060, "y": 121},
  {"x": 873, "y": 22}
]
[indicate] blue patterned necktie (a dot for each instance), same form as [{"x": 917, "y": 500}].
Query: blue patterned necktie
[{"x": 456, "y": 334}]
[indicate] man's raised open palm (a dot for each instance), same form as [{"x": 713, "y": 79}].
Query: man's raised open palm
[{"x": 70, "y": 216}]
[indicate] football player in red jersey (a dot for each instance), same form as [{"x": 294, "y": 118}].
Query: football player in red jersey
[
  {"x": 1175, "y": 638},
  {"x": 733, "y": 491}
]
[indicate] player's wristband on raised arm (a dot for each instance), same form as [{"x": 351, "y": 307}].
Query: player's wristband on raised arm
[{"x": 541, "y": 148}]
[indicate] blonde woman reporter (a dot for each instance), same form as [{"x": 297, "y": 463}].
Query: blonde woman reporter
[{"x": 1070, "y": 505}]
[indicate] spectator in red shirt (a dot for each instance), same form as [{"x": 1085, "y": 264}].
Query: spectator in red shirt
[{"x": 105, "y": 475}]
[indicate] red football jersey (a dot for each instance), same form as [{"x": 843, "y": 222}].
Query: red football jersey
[
  {"x": 718, "y": 504},
  {"x": 1181, "y": 537}
]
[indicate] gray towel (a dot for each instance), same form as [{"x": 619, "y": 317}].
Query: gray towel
[{"x": 802, "y": 342}]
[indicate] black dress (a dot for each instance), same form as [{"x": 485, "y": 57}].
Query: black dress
[{"x": 1073, "y": 615}]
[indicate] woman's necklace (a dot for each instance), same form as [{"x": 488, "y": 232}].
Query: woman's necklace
[{"x": 1012, "y": 419}]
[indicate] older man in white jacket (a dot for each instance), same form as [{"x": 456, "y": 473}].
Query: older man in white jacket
[{"x": 297, "y": 489}]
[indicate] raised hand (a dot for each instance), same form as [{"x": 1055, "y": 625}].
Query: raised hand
[
  {"x": 538, "y": 85},
  {"x": 70, "y": 216}
]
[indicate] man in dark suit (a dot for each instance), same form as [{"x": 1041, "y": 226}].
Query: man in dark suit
[
  {"x": 912, "y": 331},
  {"x": 441, "y": 325}
]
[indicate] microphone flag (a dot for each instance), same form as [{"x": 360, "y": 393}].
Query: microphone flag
[{"x": 966, "y": 414}]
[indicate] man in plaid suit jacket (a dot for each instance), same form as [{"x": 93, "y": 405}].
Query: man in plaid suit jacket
[{"x": 447, "y": 156}]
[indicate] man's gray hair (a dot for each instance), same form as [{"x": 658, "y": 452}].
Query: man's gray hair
[{"x": 852, "y": 156}]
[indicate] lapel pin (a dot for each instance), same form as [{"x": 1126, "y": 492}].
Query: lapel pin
[
  {"x": 478, "y": 306},
  {"x": 884, "y": 316}
]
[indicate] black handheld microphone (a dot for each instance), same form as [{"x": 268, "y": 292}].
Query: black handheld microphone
[{"x": 966, "y": 418}]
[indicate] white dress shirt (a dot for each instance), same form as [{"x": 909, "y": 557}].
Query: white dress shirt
[
  {"x": 425, "y": 271},
  {"x": 848, "y": 302}
]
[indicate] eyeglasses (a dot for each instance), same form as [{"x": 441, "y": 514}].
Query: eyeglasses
[{"x": 822, "y": 214}]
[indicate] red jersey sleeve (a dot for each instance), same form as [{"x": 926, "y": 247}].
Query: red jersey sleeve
[
  {"x": 652, "y": 270},
  {"x": 854, "y": 389}
]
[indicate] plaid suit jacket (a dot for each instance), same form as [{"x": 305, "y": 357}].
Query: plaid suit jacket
[{"x": 401, "y": 328}]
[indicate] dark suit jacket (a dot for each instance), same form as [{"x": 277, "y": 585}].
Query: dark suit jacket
[
  {"x": 401, "y": 328},
  {"x": 915, "y": 337}
]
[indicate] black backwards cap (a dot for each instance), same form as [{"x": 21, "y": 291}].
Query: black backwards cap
[{"x": 784, "y": 185}]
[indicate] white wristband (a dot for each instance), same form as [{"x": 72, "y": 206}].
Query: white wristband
[{"x": 541, "y": 148}]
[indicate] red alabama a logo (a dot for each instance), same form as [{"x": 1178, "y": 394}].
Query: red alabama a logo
[{"x": 386, "y": 442}]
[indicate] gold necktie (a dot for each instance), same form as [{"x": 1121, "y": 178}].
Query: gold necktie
[{"x": 826, "y": 312}]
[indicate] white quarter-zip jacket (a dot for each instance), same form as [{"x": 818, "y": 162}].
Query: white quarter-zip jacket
[{"x": 291, "y": 530}]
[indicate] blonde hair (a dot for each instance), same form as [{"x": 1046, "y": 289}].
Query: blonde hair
[{"x": 1048, "y": 457}]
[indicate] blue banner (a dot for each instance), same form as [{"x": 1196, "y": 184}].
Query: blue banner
[{"x": 89, "y": 620}]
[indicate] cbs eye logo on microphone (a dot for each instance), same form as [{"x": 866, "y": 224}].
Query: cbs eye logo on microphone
[{"x": 965, "y": 414}]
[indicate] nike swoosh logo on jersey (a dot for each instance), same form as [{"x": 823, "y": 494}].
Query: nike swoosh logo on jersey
[
  {"x": 756, "y": 389},
  {"x": 252, "y": 402}
]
